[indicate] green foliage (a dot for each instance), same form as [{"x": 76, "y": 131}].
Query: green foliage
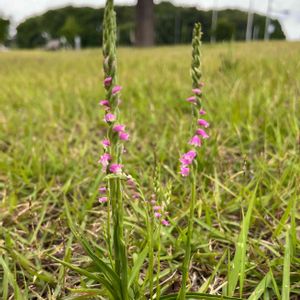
[
  {"x": 225, "y": 30},
  {"x": 173, "y": 25},
  {"x": 49, "y": 146},
  {"x": 4, "y": 27},
  {"x": 70, "y": 29}
]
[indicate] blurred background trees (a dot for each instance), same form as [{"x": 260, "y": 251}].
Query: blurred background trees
[
  {"x": 162, "y": 24},
  {"x": 4, "y": 29}
]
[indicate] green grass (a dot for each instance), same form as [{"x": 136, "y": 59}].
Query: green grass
[{"x": 247, "y": 226}]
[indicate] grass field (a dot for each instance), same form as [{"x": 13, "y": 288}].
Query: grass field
[{"x": 50, "y": 132}]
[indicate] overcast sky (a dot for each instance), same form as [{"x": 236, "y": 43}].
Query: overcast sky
[{"x": 288, "y": 11}]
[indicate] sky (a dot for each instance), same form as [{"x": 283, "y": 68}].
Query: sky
[{"x": 287, "y": 11}]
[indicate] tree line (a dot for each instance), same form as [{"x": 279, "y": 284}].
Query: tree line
[{"x": 172, "y": 25}]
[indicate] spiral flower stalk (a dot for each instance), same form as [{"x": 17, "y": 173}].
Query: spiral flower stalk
[{"x": 188, "y": 159}]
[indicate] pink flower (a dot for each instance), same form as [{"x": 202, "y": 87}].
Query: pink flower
[
  {"x": 153, "y": 202},
  {"x": 109, "y": 117},
  {"x": 119, "y": 128},
  {"x": 165, "y": 222},
  {"x": 157, "y": 215},
  {"x": 192, "y": 153},
  {"x": 107, "y": 81},
  {"x": 116, "y": 89},
  {"x": 202, "y": 133},
  {"x": 202, "y": 112},
  {"x": 102, "y": 189},
  {"x": 104, "y": 160},
  {"x": 104, "y": 103},
  {"x": 131, "y": 183},
  {"x": 195, "y": 141},
  {"x": 192, "y": 99},
  {"x": 156, "y": 208},
  {"x": 201, "y": 84},
  {"x": 203, "y": 123},
  {"x": 197, "y": 91},
  {"x": 105, "y": 143},
  {"x": 136, "y": 196},
  {"x": 187, "y": 158},
  {"x": 102, "y": 199},
  {"x": 184, "y": 171},
  {"x": 123, "y": 136},
  {"x": 115, "y": 168}
]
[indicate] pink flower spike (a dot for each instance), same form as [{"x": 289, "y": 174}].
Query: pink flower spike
[
  {"x": 116, "y": 89},
  {"x": 157, "y": 215},
  {"x": 156, "y": 208},
  {"x": 184, "y": 171},
  {"x": 202, "y": 112},
  {"x": 195, "y": 141},
  {"x": 119, "y": 128},
  {"x": 105, "y": 143},
  {"x": 202, "y": 133},
  {"x": 203, "y": 123},
  {"x": 192, "y": 99},
  {"x": 102, "y": 199},
  {"x": 116, "y": 168},
  {"x": 165, "y": 222},
  {"x": 102, "y": 189},
  {"x": 104, "y": 103},
  {"x": 109, "y": 117},
  {"x": 107, "y": 81},
  {"x": 196, "y": 91},
  {"x": 153, "y": 202},
  {"x": 123, "y": 136}
]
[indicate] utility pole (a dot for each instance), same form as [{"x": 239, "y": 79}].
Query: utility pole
[
  {"x": 214, "y": 22},
  {"x": 250, "y": 21},
  {"x": 268, "y": 20}
]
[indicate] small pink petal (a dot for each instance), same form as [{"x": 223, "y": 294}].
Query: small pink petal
[
  {"x": 196, "y": 91},
  {"x": 203, "y": 123},
  {"x": 156, "y": 208},
  {"x": 116, "y": 168},
  {"x": 119, "y": 128},
  {"x": 102, "y": 190},
  {"x": 202, "y": 133},
  {"x": 102, "y": 199},
  {"x": 104, "y": 103},
  {"x": 105, "y": 143},
  {"x": 202, "y": 112},
  {"x": 123, "y": 136},
  {"x": 195, "y": 141},
  {"x": 184, "y": 171},
  {"x": 107, "y": 81},
  {"x": 165, "y": 222},
  {"x": 157, "y": 215},
  {"x": 116, "y": 89},
  {"x": 109, "y": 117},
  {"x": 192, "y": 99}
]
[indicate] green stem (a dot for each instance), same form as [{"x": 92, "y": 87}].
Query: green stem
[
  {"x": 158, "y": 262},
  {"x": 121, "y": 241},
  {"x": 151, "y": 256},
  {"x": 187, "y": 258}
]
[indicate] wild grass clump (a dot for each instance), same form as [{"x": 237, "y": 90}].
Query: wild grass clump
[{"x": 93, "y": 209}]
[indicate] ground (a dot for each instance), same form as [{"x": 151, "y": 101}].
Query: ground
[{"x": 50, "y": 132}]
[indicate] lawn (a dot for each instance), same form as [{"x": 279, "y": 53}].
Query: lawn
[{"x": 248, "y": 184}]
